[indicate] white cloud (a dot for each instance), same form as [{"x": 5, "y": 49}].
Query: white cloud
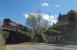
[
  {"x": 47, "y": 17},
  {"x": 50, "y": 18},
  {"x": 57, "y": 5},
  {"x": 44, "y": 4},
  {"x": 25, "y": 15}
]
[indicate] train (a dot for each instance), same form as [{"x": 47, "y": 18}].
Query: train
[{"x": 7, "y": 23}]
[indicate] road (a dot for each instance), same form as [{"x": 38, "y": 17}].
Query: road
[{"x": 39, "y": 47}]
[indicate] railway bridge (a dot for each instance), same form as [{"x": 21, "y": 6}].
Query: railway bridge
[
  {"x": 16, "y": 32},
  {"x": 16, "y": 36}
]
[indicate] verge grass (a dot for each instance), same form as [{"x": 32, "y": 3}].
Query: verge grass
[{"x": 2, "y": 47}]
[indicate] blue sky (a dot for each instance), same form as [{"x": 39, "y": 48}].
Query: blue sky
[{"x": 15, "y": 9}]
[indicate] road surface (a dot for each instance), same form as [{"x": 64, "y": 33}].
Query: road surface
[{"x": 40, "y": 47}]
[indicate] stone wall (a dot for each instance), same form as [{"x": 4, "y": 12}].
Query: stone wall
[{"x": 2, "y": 40}]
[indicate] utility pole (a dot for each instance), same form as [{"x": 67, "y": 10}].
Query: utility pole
[{"x": 50, "y": 18}]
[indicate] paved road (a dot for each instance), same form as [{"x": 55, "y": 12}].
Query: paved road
[{"x": 39, "y": 47}]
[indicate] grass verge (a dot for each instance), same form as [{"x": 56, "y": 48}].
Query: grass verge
[{"x": 2, "y": 47}]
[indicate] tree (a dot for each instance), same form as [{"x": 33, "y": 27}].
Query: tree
[
  {"x": 37, "y": 22},
  {"x": 73, "y": 16},
  {"x": 68, "y": 25}
]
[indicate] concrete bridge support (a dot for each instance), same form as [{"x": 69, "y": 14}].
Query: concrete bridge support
[{"x": 2, "y": 40}]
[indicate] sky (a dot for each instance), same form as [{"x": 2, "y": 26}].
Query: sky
[{"x": 17, "y": 10}]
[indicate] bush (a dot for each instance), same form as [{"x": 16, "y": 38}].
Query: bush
[
  {"x": 48, "y": 39},
  {"x": 58, "y": 42}
]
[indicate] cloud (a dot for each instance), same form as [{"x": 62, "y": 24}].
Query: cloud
[
  {"x": 44, "y": 4},
  {"x": 57, "y": 5},
  {"x": 25, "y": 15},
  {"x": 50, "y": 18}
]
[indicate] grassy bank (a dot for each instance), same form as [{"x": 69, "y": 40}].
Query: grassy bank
[{"x": 2, "y": 47}]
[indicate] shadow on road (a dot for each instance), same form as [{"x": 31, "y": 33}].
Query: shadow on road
[{"x": 58, "y": 49}]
